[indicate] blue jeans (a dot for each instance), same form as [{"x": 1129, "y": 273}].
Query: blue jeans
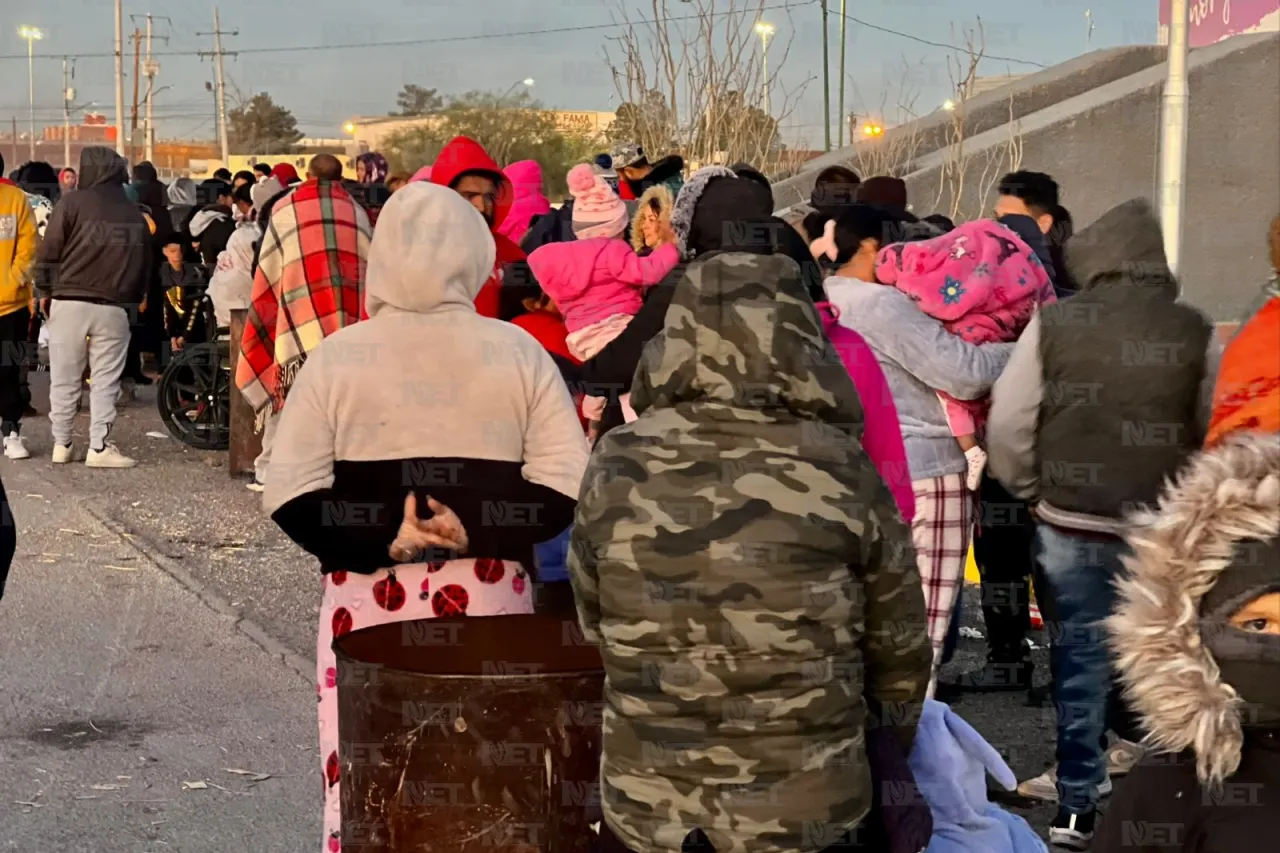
[
  {"x": 553, "y": 557},
  {"x": 1080, "y": 570}
]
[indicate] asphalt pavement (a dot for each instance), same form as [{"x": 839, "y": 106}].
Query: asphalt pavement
[
  {"x": 134, "y": 718},
  {"x": 159, "y": 630}
]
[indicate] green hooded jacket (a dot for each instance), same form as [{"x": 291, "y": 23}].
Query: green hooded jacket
[{"x": 747, "y": 575}]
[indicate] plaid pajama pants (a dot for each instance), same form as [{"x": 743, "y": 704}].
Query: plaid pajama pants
[{"x": 940, "y": 534}]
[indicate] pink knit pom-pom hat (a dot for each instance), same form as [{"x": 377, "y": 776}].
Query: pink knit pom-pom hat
[{"x": 597, "y": 210}]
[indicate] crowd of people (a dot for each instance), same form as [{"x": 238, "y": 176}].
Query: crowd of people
[{"x": 759, "y": 453}]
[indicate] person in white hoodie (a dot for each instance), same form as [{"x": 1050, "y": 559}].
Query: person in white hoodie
[
  {"x": 231, "y": 285},
  {"x": 392, "y": 473}
]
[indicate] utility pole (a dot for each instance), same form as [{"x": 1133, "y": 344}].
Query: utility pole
[
  {"x": 221, "y": 89},
  {"x": 133, "y": 130},
  {"x": 67, "y": 97},
  {"x": 119, "y": 78},
  {"x": 150, "y": 68},
  {"x": 1173, "y": 136},
  {"x": 840, "y": 122},
  {"x": 15, "y": 141},
  {"x": 826, "y": 78}
]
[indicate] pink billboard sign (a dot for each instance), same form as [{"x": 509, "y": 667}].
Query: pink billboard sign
[{"x": 1214, "y": 20}]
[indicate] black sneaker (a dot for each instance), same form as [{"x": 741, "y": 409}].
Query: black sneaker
[
  {"x": 995, "y": 676},
  {"x": 1072, "y": 831}
]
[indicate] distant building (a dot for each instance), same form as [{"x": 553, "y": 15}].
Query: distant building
[
  {"x": 94, "y": 129},
  {"x": 987, "y": 84},
  {"x": 1215, "y": 20},
  {"x": 371, "y": 133}
]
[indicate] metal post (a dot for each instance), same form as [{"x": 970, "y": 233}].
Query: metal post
[
  {"x": 764, "y": 71},
  {"x": 1173, "y": 136},
  {"x": 119, "y": 78},
  {"x": 840, "y": 122},
  {"x": 133, "y": 122},
  {"x": 31, "y": 91},
  {"x": 150, "y": 139},
  {"x": 222, "y": 90},
  {"x": 826, "y": 78},
  {"x": 66, "y": 116}
]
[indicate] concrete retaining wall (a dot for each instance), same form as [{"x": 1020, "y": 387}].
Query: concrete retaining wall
[
  {"x": 1102, "y": 147},
  {"x": 991, "y": 109}
]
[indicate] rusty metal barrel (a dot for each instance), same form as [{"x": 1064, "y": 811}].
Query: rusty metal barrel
[{"x": 468, "y": 735}]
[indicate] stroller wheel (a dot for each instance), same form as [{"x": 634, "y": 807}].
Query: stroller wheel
[{"x": 194, "y": 397}]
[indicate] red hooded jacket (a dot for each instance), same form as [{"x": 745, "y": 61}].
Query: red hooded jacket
[{"x": 463, "y": 155}]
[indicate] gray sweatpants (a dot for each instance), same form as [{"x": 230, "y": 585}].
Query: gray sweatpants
[{"x": 80, "y": 334}]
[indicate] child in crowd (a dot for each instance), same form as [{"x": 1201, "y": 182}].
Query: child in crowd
[
  {"x": 984, "y": 284},
  {"x": 183, "y": 287},
  {"x": 597, "y": 281},
  {"x": 1196, "y": 635}
]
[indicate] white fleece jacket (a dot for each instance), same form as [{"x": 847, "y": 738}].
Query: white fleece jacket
[{"x": 425, "y": 375}]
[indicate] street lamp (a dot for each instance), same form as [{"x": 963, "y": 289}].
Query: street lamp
[
  {"x": 32, "y": 35},
  {"x": 349, "y": 128},
  {"x": 526, "y": 82},
  {"x": 872, "y": 130},
  {"x": 765, "y": 29},
  {"x": 949, "y": 105}
]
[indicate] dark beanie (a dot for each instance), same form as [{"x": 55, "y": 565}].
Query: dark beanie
[
  {"x": 884, "y": 191},
  {"x": 733, "y": 214}
]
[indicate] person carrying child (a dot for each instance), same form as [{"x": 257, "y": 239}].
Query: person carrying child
[
  {"x": 983, "y": 283},
  {"x": 597, "y": 281}
]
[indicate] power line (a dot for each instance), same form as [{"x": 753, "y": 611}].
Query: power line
[
  {"x": 444, "y": 39},
  {"x": 944, "y": 45},
  {"x": 551, "y": 31}
]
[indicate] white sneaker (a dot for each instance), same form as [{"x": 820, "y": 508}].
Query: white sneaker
[
  {"x": 1045, "y": 787},
  {"x": 108, "y": 457},
  {"x": 255, "y": 485},
  {"x": 15, "y": 447},
  {"x": 61, "y": 454},
  {"x": 977, "y": 459}
]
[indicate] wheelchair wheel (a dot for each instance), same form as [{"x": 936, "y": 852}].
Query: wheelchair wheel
[{"x": 194, "y": 396}]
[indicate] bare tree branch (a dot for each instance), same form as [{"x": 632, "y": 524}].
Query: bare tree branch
[{"x": 696, "y": 87}]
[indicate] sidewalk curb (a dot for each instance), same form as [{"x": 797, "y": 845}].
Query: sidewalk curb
[{"x": 305, "y": 669}]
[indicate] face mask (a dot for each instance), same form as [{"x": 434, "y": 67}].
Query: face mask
[{"x": 1248, "y": 661}]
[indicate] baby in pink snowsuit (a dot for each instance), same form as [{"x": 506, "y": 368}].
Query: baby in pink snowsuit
[
  {"x": 984, "y": 284},
  {"x": 597, "y": 280}
]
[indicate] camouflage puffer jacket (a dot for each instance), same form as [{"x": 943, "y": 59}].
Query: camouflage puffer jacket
[{"x": 747, "y": 575}]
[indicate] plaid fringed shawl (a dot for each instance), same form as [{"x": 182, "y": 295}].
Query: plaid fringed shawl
[{"x": 309, "y": 284}]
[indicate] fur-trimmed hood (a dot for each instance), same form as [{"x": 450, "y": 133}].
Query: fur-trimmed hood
[
  {"x": 1223, "y": 497},
  {"x": 687, "y": 200},
  {"x": 665, "y": 200}
]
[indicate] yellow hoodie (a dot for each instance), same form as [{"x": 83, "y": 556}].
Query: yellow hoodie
[{"x": 19, "y": 241}]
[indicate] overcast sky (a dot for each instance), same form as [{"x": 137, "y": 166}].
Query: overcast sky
[{"x": 326, "y": 86}]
